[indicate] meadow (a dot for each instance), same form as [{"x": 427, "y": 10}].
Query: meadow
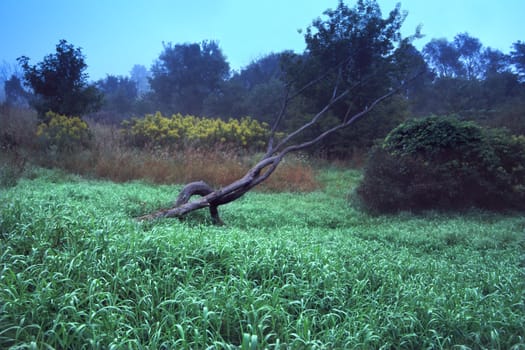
[{"x": 290, "y": 270}]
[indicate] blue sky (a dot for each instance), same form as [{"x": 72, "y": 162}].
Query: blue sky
[{"x": 116, "y": 34}]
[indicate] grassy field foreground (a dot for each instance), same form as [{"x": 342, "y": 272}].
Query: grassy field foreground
[{"x": 289, "y": 271}]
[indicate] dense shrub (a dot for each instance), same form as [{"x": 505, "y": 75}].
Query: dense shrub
[
  {"x": 66, "y": 133},
  {"x": 183, "y": 131},
  {"x": 444, "y": 163}
]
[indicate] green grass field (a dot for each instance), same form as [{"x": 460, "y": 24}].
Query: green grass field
[{"x": 289, "y": 271}]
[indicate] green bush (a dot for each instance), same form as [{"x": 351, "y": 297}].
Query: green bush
[{"x": 445, "y": 163}]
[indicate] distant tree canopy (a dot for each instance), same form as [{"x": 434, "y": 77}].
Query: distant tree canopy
[
  {"x": 15, "y": 95},
  {"x": 254, "y": 91},
  {"x": 185, "y": 74},
  {"x": 59, "y": 83},
  {"x": 464, "y": 58},
  {"x": 356, "y": 47},
  {"x": 472, "y": 81},
  {"x": 353, "y": 48},
  {"x": 517, "y": 57},
  {"x": 119, "y": 92},
  {"x": 140, "y": 75}
]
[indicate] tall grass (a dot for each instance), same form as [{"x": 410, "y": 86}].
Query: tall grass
[
  {"x": 219, "y": 167},
  {"x": 108, "y": 157},
  {"x": 17, "y": 128},
  {"x": 289, "y": 271}
]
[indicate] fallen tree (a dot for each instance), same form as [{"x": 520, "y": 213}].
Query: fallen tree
[
  {"x": 355, "y": 47},
  {"x": 213, "y": 198}
]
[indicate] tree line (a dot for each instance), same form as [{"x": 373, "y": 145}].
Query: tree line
[{"x": 354, "y": 48}]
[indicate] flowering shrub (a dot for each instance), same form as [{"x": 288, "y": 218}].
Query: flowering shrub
[
  {"x": 66, "y": 133},
  {"x": 190, "y": 131}
]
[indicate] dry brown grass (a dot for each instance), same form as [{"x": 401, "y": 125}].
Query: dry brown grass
[
  {"x": 183, "y": 167},
  {"x": 17, "y": 128},
  {"x": 216, "y": 168},
  {"x": 109, "y": 158},
  {"x": 292, "y": 176}
]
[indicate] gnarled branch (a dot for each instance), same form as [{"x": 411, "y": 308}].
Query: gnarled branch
[
  {"x": 260, "y": 172},
  {"x": 213, "y": 198}
]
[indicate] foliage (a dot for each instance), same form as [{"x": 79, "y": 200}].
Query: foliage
[
  {"x": 183, "y": 131},
  {"x": 465, "y": 58},
  {"x": 139, "y": 74},
  {"x": 306, "y": 272},
  {"x": 362, "y": 135},
  {"x": 185, "y": 74},
  {"x": 511, "y": 116},
  {"x": 119, "y": 93},
  {"x": 472, "y": 81},
  {"x": 355, "y": 49},
  {"x": 15, "y": 95},
  {"x": 66, "y": 133},
  {"x": 257, "y": 90},
  {"x": 462, "y": 58},
  {"x": 60, "y": 84},
  {"x": 518, "y": 58},
  {"x": 234, "y": 99},
  {"x": 444, "y": 163}
]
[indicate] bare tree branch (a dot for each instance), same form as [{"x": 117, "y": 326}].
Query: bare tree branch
[
  {"x": 314, "y": 120},
  {"x": 287, "y": 98},
  {"x": 344, "y": 124},
  {"x": 277, "y": 122}
]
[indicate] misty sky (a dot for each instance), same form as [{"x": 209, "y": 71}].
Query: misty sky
[{"x": 116, "y": 34}]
